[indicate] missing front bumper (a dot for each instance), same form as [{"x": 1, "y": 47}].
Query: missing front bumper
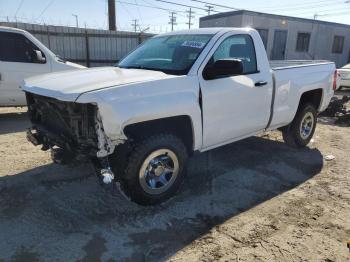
[
  {"x": 33, "y": 137},
  {"x": 73, "y": 127}
]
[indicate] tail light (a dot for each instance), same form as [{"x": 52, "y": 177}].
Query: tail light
[{"x": 335, "y": 80}]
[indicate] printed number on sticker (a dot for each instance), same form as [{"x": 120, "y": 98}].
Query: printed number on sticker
[{"x": 194, "y": 44}]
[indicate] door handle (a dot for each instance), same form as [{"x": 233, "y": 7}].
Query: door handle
[{"x": 261, "y": 83}]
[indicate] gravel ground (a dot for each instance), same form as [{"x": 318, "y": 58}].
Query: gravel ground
[{"x": 254, "y": 200}]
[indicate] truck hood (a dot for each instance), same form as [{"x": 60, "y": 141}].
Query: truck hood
[{"x": 69, "y": 85}]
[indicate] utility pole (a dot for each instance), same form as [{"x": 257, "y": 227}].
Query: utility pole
[
  {"x": 209, "y": 8},
  {"x": 172, "y": 20},
  {"x": 76, "y": 20},
  {"x": 111, "y": 15},
  {"x": 190, "y": 16},
  {"x": 135, "y": 24}
]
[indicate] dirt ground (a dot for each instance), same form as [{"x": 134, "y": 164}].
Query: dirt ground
[{"x": 254, "y": 200}]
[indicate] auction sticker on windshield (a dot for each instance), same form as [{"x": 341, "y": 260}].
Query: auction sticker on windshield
[{"x": 194, "y": 44}]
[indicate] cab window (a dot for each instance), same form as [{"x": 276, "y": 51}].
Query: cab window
[
  {"x": 237, "y": 47},
  {"x": 17, "y": 48}
]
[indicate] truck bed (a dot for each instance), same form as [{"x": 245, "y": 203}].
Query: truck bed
[{"x": 293, "y": 78}]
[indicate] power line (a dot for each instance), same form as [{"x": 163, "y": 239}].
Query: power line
[
  {"x": 331, "y": 14},
  {"x": 295, "y": 5},
  {"x": 281, "y": 8},
  {"x": 138, "y": 11},
  {"x": 135, "y": 24},
  {"x": 44, "y": 10},
  {"x": 124, "y": 7},
  {"x": 173, "y": 3},
  {"x": 212, "y": 4},
  {"x": 303, "y": 7},
  {"x": 19, "y": 7},
  {"x": 153, "y": 6},
  {"x": 318, "y": 11},
  {"x": 149, "y": 6}
]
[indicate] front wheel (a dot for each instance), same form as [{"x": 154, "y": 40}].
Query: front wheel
[
  {"x": 154, "y": 169},
  {"x": 300, "y": 131}
]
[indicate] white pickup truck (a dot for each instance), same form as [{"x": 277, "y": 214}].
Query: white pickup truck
[
  {"x": 175, "y": 94},
  {"x": 22, "y": 56}
]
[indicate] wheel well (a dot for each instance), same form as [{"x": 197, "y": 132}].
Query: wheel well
[
  {"x": 179, "y": 125},
  {"x": 313, "y": 97}
]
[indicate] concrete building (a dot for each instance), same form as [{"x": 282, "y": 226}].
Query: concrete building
[{"x": 290, "y": 38}]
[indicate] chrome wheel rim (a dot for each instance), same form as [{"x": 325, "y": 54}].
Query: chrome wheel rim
[
  {"x": 159, "y": 171},
  {"x": 307, "y": 124}
]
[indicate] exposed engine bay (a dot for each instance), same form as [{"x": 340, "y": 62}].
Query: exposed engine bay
[
  {"x": 71, "y": 131},
  {"x": 74, "y": 127}
]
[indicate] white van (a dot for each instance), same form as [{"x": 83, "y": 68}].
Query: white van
[{"x": 22, "y": 56}]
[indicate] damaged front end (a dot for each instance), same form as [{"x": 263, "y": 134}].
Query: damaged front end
[{"x": 71, "y": 130}]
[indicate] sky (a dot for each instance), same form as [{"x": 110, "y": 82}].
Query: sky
[{"x": 154, "y": 15}]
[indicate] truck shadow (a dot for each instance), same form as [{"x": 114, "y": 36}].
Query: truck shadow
[
  {"x": 63, "y": 202},
  {"x": 13, "y": 122}
]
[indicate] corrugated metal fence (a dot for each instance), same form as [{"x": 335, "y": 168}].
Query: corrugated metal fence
[{"x": 88, "y": 47}]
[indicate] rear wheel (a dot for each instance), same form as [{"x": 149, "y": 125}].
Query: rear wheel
[
  {"x": 154, "y": 169},
  {"x": 300, "y": 131}
]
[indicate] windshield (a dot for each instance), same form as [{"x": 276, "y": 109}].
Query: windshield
[{"x": 173, "y": 54}]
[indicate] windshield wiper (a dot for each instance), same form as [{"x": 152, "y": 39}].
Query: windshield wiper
[
  {"x": 165, "y": 71},
  {"x": 142, "y": 67},
  {"x": 135, "y": 67}
]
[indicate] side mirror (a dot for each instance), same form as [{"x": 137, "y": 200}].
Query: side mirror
[
  {"x": 40, "y": 58},
  {"x": 223, "y": 68}
]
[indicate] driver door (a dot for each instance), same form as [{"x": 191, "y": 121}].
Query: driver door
[{"x": 235, "y": 106}]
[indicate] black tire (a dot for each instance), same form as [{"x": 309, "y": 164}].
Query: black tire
[
  {"x": 61, "y": 156},
  {"x": 292, "y": 134},
  {"x": 133, "y": 161}
]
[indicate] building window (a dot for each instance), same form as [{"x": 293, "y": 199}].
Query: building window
[
  {"x": 338, "y": 44},
  {"x": 303, "y": 42},
  {"x": 264, "y": 34}
]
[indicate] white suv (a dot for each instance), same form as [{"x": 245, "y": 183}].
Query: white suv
[{"x": 22, "y": 56}]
